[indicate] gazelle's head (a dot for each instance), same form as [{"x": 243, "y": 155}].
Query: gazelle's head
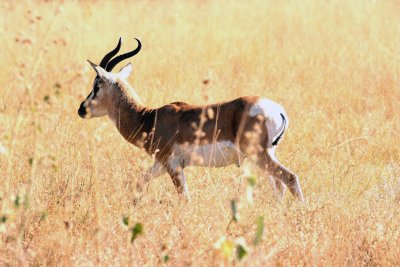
[{"x": 97, "y": 102}]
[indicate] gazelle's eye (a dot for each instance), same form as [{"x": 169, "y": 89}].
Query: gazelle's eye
[{"x": 96, "y": 89}]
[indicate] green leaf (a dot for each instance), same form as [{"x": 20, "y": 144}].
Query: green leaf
[
  {"x": 235, "y": 211},
  {"x": 43, "y": 215},
  {"x": 259, "y": 230},
  {"x": 165, "y": 258},
  {"x": 3, "y": 219},
  {"x": 125, "y": 220},
  {"x": 240, "y": 251},
  {"x": 251, "y": 180},
  {"x": 225, "y": 247},
  {"x": 17, "y": 201},
  {"x": 136, "y": 230}
]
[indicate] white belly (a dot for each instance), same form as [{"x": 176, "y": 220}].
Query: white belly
[{"x": 212, "y": 155}]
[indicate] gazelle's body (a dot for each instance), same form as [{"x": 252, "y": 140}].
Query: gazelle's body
[{"x": 181, "y": 135}]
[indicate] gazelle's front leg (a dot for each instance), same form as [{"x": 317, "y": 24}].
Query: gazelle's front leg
[{"x": 154, "y": 171}]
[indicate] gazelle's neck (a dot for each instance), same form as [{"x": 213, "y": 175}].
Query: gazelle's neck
[{"x": 126, "y": 112}]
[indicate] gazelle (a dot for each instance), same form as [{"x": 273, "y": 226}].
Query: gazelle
[{"x": 180, "y": 135}]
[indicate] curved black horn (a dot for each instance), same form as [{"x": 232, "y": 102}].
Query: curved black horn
[
  {"x": 110, "y": 54},
  {"x": 118, "y": 59}
]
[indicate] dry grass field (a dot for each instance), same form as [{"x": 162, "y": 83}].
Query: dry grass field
[{"x": 66, "y": 184}]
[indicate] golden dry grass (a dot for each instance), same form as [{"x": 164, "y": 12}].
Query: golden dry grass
[{"x": 66, "y": 183}]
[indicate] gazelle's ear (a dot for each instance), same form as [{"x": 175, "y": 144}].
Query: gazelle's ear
[
  {"x": 125, "y": 71},
  {"x": 102, "y": 73}
]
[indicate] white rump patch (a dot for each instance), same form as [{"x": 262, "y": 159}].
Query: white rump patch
[
  {"x": 272, "y": 112},
  {"x": 218, "y": 154}
]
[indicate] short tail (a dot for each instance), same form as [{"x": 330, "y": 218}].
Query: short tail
[{"x": 275, "y": 142}]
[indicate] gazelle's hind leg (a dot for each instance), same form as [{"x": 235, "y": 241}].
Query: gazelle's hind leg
[
  {"x": 281, "y": 188},
  {"x": 277, "y": 186},
  {"x": 282, "y": 175}
]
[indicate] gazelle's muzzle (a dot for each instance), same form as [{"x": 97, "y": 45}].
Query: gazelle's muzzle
[{"x": 82, "y": 111}]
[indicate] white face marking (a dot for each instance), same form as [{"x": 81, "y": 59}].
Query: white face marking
[
  {"x": 212, "y": 155},
  {"x": 273, "y": 119},
  {"x": 93, "y": 103},
  {"x": 91, "y": 95},
  {"x": 88, "y": 100}
]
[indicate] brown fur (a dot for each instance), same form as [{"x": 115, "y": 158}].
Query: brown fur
[{"x": 158, "y": 129}]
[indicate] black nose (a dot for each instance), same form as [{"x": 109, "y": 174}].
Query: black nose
[{"x": 82, "y": 111}]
